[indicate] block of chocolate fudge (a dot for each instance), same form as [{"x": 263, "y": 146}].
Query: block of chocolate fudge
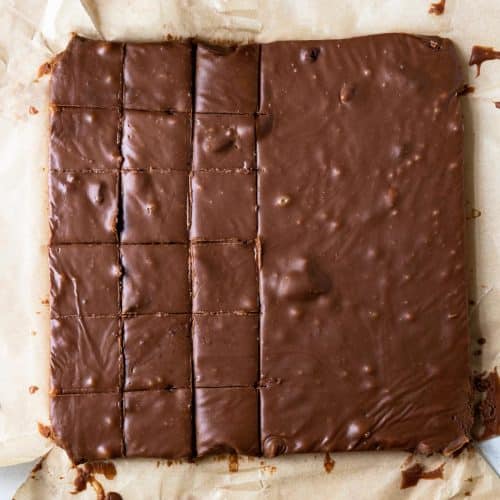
[
  {"x": 159, "y": 141},
  {"x": 227, "y": 421},
  {"x": 224, "y": 142},
  {"x": 364, "y": 340},
  {"x": 224, "y": 206},
  {"x": 226, "y": 79},
  {"x": 84, "y": 280},
  {"x": 83, "y": 207},
  {"x": 154, "y": 207},
  {"x": 87, "y": 426},
  {"x": 155, "y": 279},
  {"x": 157, "y": 76},
  {"x": 158, "y": 423},
  {"x": 85, "y": 355},
  {"x": 224, "y": 277},
  {"x": 88, "y": 73},
  {"x": 84, "y": 139},
  {"x": 344, "y": 327},
  {"x": 157, "y": 352},
  {"x": 225, "y": 349}
]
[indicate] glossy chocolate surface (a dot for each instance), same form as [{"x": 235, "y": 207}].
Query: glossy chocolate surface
[
  {"x": 155, "y": 278},
  {"x": 84, "y": 139},
  {"x": 224, "y": 278},
  {"x": 226, "y": 79},
  {"x": 363, "y": 281},
  {"x": 157, "y": 352},
  {"x": 83, "y": 207},
  {"x": 87, "y": 426},
  {"x": 157, "y": 76},
  {"x": 158, "y": 423},
  {"x": 85, "y": 355},
  {"x": 224, "y": 206},
  {"x": 224, "y": 142},
  {"x": 154, "y": 207},
  {"x": 71, "y": 290},
  {"x": 88, "y": 73},
  {"x": 155, "y": 141},
  {"x": 227, "y": 421},
  {"x": 225, "y": 349},
  {"x": 289, "y": 280}
]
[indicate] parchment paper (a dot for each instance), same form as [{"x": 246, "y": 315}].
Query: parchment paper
[{"x": 31, "y": 31}]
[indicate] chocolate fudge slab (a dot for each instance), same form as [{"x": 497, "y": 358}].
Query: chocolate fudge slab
[
  {"x": 87, "y": 426},
  {"x": 85, "y": 355},
  {"x": 83, "y": 207},
  {"x": 224, "y": 142},
  {"x": 158, "y": 424},
  {"x": 155, "y": 279},
  {"x": 71, "y": 290},
  {"x": 226, "y": 349},
  {"x": 88, "y": 73},
  {"x": 157, "y": 76},
  {"x": 154, "y": 207},
  {"x": 226, "y": 79},
  {"x": 160, "y": 141},
  {"x": 157, "y": 352},
  {"x": 227, "y": 421},
  {"x": 224, "y": 278},
  {"x": 84, "y": 139},
  {"x": 364, "y": 340},
  {"x": 224, "y": 206}
]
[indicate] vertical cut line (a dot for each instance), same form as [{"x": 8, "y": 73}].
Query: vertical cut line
[
  {"x": 119, "y": 228},
  {"x": 258, "y": 247},
  {"x": 190, "y": 246}
]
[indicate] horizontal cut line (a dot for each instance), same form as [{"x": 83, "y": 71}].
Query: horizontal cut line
[
  {"x": 120, "y": 316},
  {"x": 117, "y": 170},
  {"x": 255, "y": 387}
]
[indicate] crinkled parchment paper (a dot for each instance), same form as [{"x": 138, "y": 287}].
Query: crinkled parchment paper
[{"x": 31, "y": 31}]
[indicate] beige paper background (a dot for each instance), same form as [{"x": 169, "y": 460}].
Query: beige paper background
[{"x": 31, "y": 31}]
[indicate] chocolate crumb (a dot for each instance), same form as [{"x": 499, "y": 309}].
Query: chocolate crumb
[
  {"x": 328, "y": 463},
  {"x": 437, "y": 8},
  {"x": 32, "y": 110},
  {"x": 32, "y": 389},
  {"x": 233, "y": 464},
  {"x": 411, "y": 476},
  {"x": 45, "y": 430}
]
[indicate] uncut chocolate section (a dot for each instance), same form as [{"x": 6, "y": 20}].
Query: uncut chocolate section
[{"x": 364, "y": 341}]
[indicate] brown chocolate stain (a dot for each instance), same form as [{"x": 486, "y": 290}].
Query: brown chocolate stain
[
  {"x": 32, "y": 110},
  {"x": 497, "y": 105},
  {"x": 112, "y": 495},
  {"x": 36, "y": 468},
  {"x": 271, "y": 469},
  {"x": 45, "y": 69},
  {"x": 85, "y": 474},
  {"x": 481, "y": 341},
  {"x": 32, "y": 389},
  {"x": 437, "y": 8},
  {"x": 233, "y": 463},
  {"x": 480, "y": 54},
  {"x": 487, "y": 416},
  {"x": 466, "y": 89},
  {"x": 411, "y": 476},
  {"x": 328, "y": 463},
  {"x": 474, "y": 214},
  {"x": 45, "y": 430}
]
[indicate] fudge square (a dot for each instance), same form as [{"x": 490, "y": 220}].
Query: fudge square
[{"x": 364, "y": 340}]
